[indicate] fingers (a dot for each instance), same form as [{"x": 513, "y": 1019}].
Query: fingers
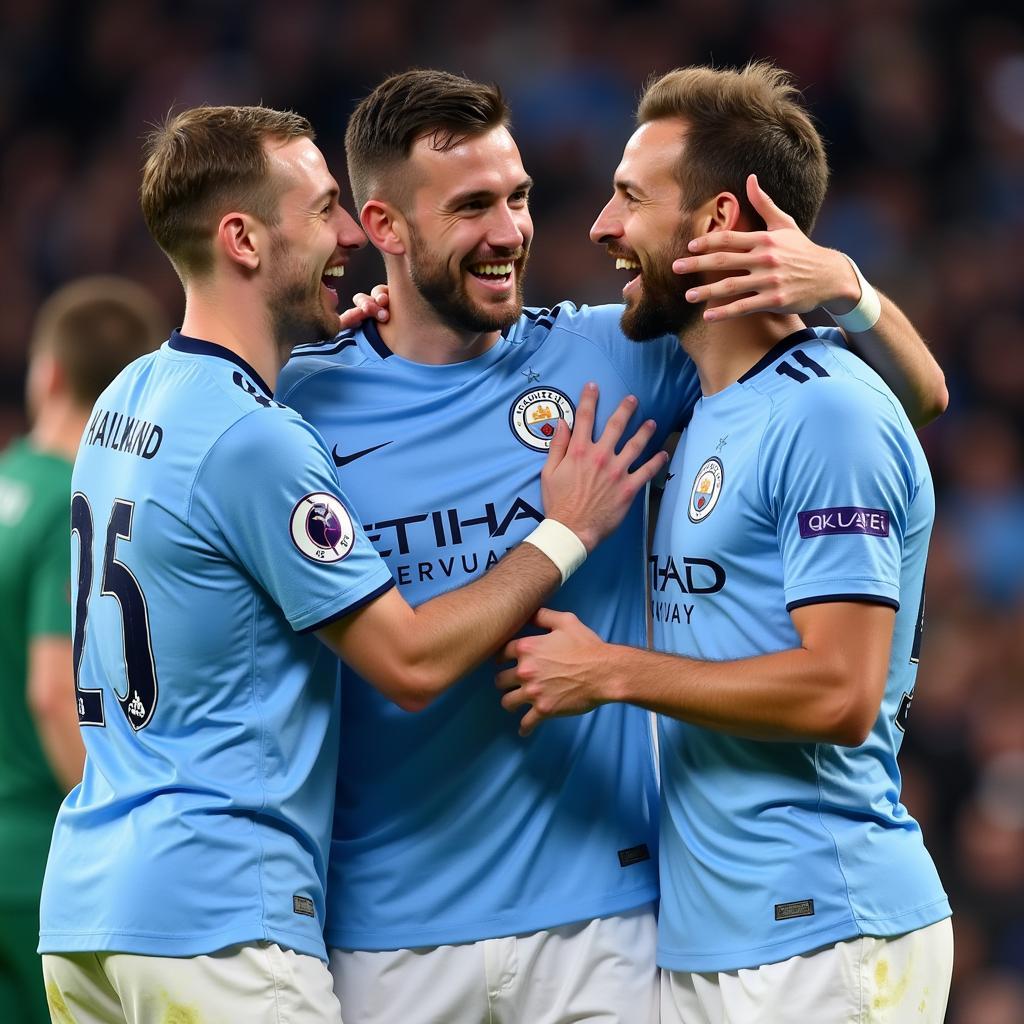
[
  {"x": 350, "y": 319},
  {"x": 547, "y": 618},
  {"x": 763, "y": 203},
  {"x": 634, "y": 447},
  {"x": 740, "y": 308},
  {"x": 530, "y": 722},
  {"x": 616, "y": 425},
  {"x": 644, "y": 474},
  {"x": 767, "y": 286},
  {"x": 723, "y": 262},
  {"x": 720, "y": 241},
  {"x": 583, "y": 422},
  {"x": 559, "y": 445},
  {"x": 365, "y": 307},
  {"x": 506, "y": 679},
  {"x": 514, "y": 698}
]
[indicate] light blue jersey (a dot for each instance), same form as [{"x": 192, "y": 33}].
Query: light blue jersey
[
  {"x": 801, "y": 483},
  {"x": 449, "y": 827},
  {"x": 209, "y": 535}
]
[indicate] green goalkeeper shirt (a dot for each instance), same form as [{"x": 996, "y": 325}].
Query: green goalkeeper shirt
[{"x": 35, "y": 595}]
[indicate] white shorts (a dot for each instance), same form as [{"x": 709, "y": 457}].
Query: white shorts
[
  {"x": 255, "y": 983},
  {"x": 862, "y": 981},
  {"x": 601, "y": 970}
]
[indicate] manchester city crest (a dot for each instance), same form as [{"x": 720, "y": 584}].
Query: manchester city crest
[
  {"x": 707, "y": 486},
  {"x": 535, "y": 414},
  {"x": 321, "y": 528}
]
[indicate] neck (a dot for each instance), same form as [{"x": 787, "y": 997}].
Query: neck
[
  {"x": 236, "y": 319},
  {"x": 59, "y": 427},
  {"x": 416, "y": 332},
  {"x": 723, "y": 352}
]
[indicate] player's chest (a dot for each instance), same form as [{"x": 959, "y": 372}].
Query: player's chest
[{"x": 487, "y": 437}]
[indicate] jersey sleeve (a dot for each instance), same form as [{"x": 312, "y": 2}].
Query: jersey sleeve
[
  {"x": 658, "y": 372},
  {"x": 837, "y": 476},
  {"x": 268, "y": 491},
  {"x": 49, "y": 592}
]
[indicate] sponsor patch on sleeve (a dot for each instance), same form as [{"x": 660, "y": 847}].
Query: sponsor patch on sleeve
[
  {"x": 823, "y": 522},
  {"x": 321, "y": 528}
]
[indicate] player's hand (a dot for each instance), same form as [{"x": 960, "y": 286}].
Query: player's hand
[
  {"x": 779, "y": 270},
  {"x": 557, "y": 673},
  {"x": 587, "y": 484},
  {"x": 366, "y": 307}
]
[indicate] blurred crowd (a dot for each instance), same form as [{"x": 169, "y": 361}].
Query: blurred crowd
[{"x": 922, "y": 105}]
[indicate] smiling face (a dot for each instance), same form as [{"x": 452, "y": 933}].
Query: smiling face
[
  {"x": 470, "y": 229},
  {"x": 644, "y": 227},
  {"x": 311, "y": 243}
]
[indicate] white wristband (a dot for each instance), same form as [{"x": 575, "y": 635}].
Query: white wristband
[
  {"x": 865, "y": 314},
  {"x": 560, "y": 544}
]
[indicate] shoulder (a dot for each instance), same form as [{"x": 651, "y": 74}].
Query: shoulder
[
  {"x": 601, "y": 327},
  {"x": 268, "y": 436},
  {"x": 308, "y": 361}
]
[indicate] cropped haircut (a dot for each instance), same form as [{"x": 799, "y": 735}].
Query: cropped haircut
[
  {"x": 94, "y": 327},
  {"x": 205, "y": 162},
  {"x": 407, "y": 107},
  {"x": 738, "y": 122}
]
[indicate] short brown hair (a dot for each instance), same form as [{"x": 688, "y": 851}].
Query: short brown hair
[
  {"x": 94, "y": 327},
  {"x": 204, "y": 162},
  {"x": 407, "y": 107},
  {"x": 743, "y": 121}
]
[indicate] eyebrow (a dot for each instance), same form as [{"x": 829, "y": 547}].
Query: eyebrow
[
  {"x": 328, "y": 193},
  {"x": 625, "y": 185},
  {"x": 482, "y": 193}
]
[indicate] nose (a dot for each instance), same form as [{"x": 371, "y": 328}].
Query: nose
[
  {"x": 508, "y": 228},
  {"x": 350, "y": 234},
  {"x": 608, "y": 225}
]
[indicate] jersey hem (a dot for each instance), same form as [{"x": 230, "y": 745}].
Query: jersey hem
[
  {"x": 152, "y": 944},
  {"x": 808, "y": 942},
  {"x": 491, "y": 928}
]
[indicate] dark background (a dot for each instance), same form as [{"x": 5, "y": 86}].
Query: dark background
[{"x": 922, "y": 105}]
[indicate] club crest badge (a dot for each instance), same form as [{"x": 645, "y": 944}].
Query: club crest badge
[
  {"x": 321, "y": 528},
  {"x": 707, "y": 486},
  {"x": 535, "y": 414}
]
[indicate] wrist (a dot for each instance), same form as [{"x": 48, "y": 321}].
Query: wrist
[
  {"x": 560, "y": 544},
  {"x": 612, "y": 676},
  {"x": 865, "y": 313}
]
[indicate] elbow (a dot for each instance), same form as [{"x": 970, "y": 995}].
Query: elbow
[
  {"x": 935, "y": 403},
  {"x": 414, "y": 687},
  {"x": 850, "y": 720}
]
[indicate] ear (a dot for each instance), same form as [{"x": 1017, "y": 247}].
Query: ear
[
  {"x": 385, "y": 227},
  {"x": 722, "y": 212},
  {"x": 240, "y": 238}
]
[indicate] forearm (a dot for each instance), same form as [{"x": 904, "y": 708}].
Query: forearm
[
  {"x": 51, "y": 700},
  {"x": 454, "y": 632},
  {"x": 61, "y": 740},
  {"x": 895, "y": 350},
  {"x": 793, "y": 695},
  {"x": 412, "y": 655}
]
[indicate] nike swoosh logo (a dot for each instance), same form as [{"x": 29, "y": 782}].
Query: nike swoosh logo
[{"x": 344, "y": 460}]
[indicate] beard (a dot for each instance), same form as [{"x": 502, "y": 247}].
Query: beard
[
  {"x": 297, "y": 313},
  {"x": 446, "y": 294},
  {"x": 662, "y": 307}
]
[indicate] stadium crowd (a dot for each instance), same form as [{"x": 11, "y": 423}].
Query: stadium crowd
[{"x": 920, "y": 103}]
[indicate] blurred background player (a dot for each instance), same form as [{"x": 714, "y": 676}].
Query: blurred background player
[{"x": 83, "y": 336}]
